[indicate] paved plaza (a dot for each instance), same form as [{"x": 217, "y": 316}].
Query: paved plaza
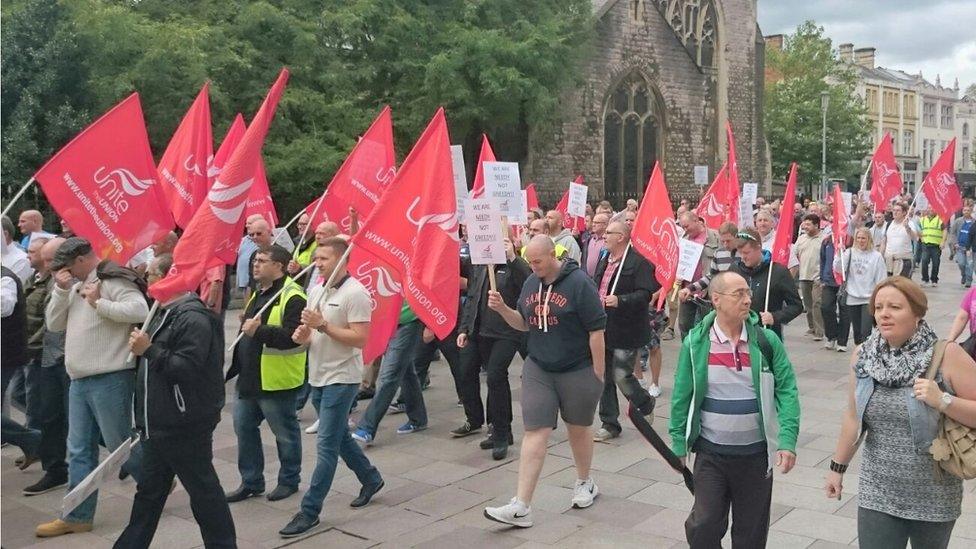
[{"x": 436, "y": 487}]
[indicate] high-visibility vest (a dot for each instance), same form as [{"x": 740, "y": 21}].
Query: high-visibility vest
[
  {"x": 282, "y": 369},
  {"x": 931, "y": 230},
  {"x": 304, "y": 257}
]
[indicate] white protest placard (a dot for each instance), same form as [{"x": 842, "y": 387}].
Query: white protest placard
[
  {"x": 522, "y": 216},
  {"x": 106, "y": 469},
  {"x": 701, "y": 175},
  {"x": 688, "y": 256},
  {"x": 750, "y": 191},
  {"x": 848, "y": 202},
  {"x": 485, "y": 232},
  {"x": 504, "y": 187},
  {"x": 460, "y": 180},
  {"x": 577, "y": 200}
]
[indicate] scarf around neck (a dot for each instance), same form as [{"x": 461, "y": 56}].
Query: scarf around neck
[{"x": 900, "y": 366}]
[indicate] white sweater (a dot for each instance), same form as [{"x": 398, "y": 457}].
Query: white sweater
[
  {"x": 96, "y": 338},
  {"x": 864, "y": 271}
]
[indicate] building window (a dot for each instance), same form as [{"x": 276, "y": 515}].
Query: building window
[
  {"x": 908, "y": 107},
  {"x": 632, "y": 137},
  {"x": 906, "y": 142},
  {"x": 928, "y": 114},
  {"x": 871, "y": 99},
  {"x": 931, "y": 152},
  {"x": 965, "y": 130},
  {"x": 693, "y": 21},
  {"x": 925, "y": 153},
  {"x": 946, "y": 120},
  {"x": 965, "y": 158}
]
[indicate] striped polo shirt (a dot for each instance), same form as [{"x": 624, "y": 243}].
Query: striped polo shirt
[{"x": 730, "y": 421}]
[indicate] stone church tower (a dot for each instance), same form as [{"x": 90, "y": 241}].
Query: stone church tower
[{"x": 663, "y": 78}]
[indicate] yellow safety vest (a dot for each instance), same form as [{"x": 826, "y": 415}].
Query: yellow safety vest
[
  {"x": 931, "y": 230},
  {"x": 282, "y": 369},
  {"x": 304, "y": 258}
]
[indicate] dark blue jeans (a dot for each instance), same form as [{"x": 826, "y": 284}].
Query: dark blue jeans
[
  {"x": 280, "y": 413},
  {"x": 397, "y": 372},
  {"x": 21, "y": 436},
  {"x": 334, "y": 441},
  {"x": 931, "y": 255}
]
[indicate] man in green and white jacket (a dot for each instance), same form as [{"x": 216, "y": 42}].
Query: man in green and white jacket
[{"x": 735, "y": 404}]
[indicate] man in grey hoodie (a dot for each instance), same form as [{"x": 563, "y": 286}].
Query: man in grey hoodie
[{"x": 563, "y": 236}]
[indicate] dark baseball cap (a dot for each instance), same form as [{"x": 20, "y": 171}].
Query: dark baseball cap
[{"x": 70, "y": 250}]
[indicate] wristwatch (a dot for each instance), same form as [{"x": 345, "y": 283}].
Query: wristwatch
[{"x": 946, "y": 401}]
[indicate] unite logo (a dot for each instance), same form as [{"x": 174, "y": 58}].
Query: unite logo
[
  {"x": 232, "y": 200},
  {"x": 884, "y": 171},
  {"x": 121, "y": 178},
  {"x": 447, "y": 222},
  {"x": 377, "y": 280},
  {"x": 666, "y": 232},
  {"x": 713, "y": 208},
  {"x": 193, "y": 167}
]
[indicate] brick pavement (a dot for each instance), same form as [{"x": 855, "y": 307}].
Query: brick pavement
[{"x": 436, "y": 487}]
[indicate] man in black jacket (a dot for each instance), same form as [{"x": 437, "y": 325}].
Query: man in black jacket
[
  {"x": 487, "y": 340},
  {"x": 625, "y": 281},
  {"x": 179, "y": 395},
  {"x": 754, "y": 265}
]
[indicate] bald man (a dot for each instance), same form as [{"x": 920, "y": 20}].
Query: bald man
[
  {"x": 245, "y": 251},
  {"x": 323, "y": 232},
  {"x": 30, "y": 224},
  {"x": 563, "y": 236},
  {"x": 305, "y": 244}
]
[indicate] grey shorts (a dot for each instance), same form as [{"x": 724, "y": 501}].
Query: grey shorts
[{"x": 574, "y": 395}]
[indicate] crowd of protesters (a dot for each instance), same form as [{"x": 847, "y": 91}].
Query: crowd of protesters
[{"x": 578, "y": 307}]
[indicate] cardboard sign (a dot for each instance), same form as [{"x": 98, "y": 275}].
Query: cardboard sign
[
  {"x": 522, "y": 217},
  {"x": 484, "y": 224},
  {"x": 750, "y": 191},
  {"x": 848, "y": 202},
  {"x": 688, "y": 256},
  {"x": 577, "y": 200},
  {"x": 503, "y": 187},
  {"x": 460, "y": 180},
  {"x": 105, "y": 470},
  {"x": 701, "y": 175}
]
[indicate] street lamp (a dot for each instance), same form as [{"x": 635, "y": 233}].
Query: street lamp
[{"x": 824, "y": 102}]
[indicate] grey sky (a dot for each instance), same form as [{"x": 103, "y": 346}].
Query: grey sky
[{"x": 932, "y": 36}]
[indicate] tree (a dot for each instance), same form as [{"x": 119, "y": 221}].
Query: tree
[{"x": 803, "y": 69}]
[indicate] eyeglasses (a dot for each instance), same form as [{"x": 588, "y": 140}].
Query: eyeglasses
[
  {"x": 738, "y": 294},
  {"x": 613, "y": 232}
]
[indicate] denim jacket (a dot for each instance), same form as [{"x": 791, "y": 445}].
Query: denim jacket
[{"x": 923, "y": 419}]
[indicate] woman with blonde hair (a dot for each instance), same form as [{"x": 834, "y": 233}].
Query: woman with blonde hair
[
  {"x": 894, "y": 410},
  {"x": 863, "y": 268}
]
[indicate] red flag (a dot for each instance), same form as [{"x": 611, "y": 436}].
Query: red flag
[
  {"x": 259, "y": 200},
  {"x": 571, "y": 222},
  {"x": 885, "y": 180},
  {"x": 234, "y": 134},
  {"x": 531, "y": 198},
  {"x": 733, "y": 188},
  {"x": 714, "y": 207},
  {"x": 839, "y": 227},
  {"x": 655, "y": 233},
  {"x": 386, "y": 295},
  {"x": 782, "y": 244},
  {"x": 103, "y": 183},
  {"x": 183, "y": 167},
  {"x": 414, "y": 229},
  {"x": 215, "y": 229},
  {"x": 486, "y": 155},
  {"x": 940, "y": 186}
]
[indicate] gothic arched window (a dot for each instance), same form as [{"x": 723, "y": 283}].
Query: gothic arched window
[
  {"x": 694, "y": 22},
  {"x": 631, "y": 137}
]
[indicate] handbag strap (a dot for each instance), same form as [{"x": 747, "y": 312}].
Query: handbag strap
[{"x": 938, "y": 352}]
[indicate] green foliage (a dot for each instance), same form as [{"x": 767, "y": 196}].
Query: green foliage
[
  {"x": 495, "y": 66},
  {"x": 792, "y": 117}
]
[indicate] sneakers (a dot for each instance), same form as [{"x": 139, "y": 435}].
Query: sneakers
[
  {"x": 489, "y": 442},
  {"x": 830, "y": 345},
  {"x": 397, "y": 408},
  {"x": 643, "y": 383},
  {"x": 300, "y": 524},
  {"x": 584, "y": 493},
  {"x": 654, "y": 390},
  {"x": 668, "y": 334},
  {"x": 465, "y": 430},
  {"x": 363, "y": 436},
  {"x": 366, "y": 493},
  {"x": 842, "y": 348},
  {"x": 45, "y": 485},
  {"x": 313, "y": 428},
  {"x": 603, "y": 435},
  {"x": 514, "y": 513},
  {"x": 409, "y": 427},
  {"x": 58, "y": 527},
  {"x": 818, "y": 338}
]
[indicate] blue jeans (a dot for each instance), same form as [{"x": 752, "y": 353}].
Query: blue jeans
[
  {"x": 397, "y": 371},
  {"x": 965, "y": 265},
  {"x": 98, "y": 405},
  {"x": 280, "y": 413},
  {"x": 334, "y": 441}
]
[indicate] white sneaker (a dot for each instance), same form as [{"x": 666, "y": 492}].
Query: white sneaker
[
  {"x": 515, "y": 513},
  {"x": 643, "y": 383},
  {"x": 603, "y": 435},
  {"x": 830, "y": 345},
  {"x": 584, "y": 493},
  {"x": 313, "y": 428},
  {"x": 654, "y": 390},
  {"x": 842, "y": 348}
]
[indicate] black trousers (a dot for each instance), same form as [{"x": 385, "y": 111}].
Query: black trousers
[
  {"x": 861, "y": 321},
  {"x": 620, "y": 373},
  {"x": 426, "y": 352},
  {"x": 496, "y": 355},
  {"x": 837, "y": 323},
  {"x": 189, "y": 457},
  {"x": 931, "y": 254},
  {"x": 48, "y": 402},
  {"x": 739, "y": 482},
  {"x": 690, "y": 314}
]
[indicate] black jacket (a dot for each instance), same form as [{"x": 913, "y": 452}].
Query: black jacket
[
  {"x": 477, "y": 318},
  {"x": 784, "y": 299},
  {"x": 14, "y": 328},
  {"x": 627, "y": 325},
  {"x": 179, "y": 379}
]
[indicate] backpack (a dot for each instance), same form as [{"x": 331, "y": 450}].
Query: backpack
[{"x": 954, "y": 446}]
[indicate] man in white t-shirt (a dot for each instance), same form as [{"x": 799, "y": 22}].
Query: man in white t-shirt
[
  {"x": 335, "y": 326},
  {"x": 897, "y": 245}
]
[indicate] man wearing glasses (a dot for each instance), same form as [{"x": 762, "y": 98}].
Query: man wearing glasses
[
  {"x": 754, "y": 265},
  {"x": 736, "y": 405}
]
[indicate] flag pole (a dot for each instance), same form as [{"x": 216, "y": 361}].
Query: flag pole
[
  {"x": 16, "y": 197},
  {"x": 284, "y": 230},
  {"x": 145, "y": 324},
  {"x": 315, "y": 212},
  {"x": 616, "y": 278},
  {"x": 769, "y": 279},
  {"x": 918, "y": 191},
  {"x": 282, "y": 289}
]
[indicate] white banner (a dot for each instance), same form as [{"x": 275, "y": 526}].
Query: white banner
[
  {"x": 848, "y": 202},
  {"x": 504, "y": 187},
  {"x": 750, "y": 191},
  {"x": 577, "y": 200},
  {"x": 460, "y": 180},
  {"x": 485, "y": 232},
  {"x": 688, "y": 258},
  {"x": 105, "y": 470},
  {"x": 701, "y": 175}
]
